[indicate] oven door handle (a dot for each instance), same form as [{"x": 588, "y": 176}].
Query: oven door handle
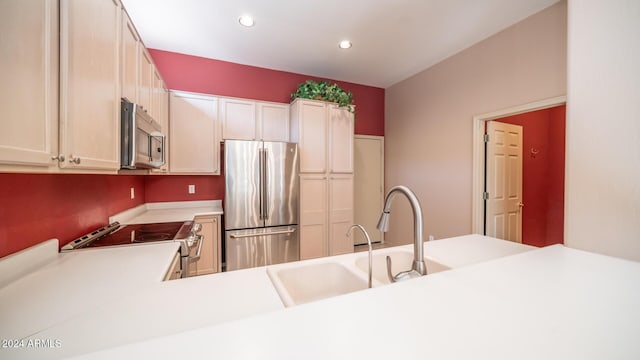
[
  {"x": 233, "y": 236},
  {"x": 199, "y": 240}
]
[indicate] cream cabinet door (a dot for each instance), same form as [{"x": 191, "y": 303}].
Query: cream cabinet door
[
  {"x": 156, "y": 95},
  {"x": 273, "y": 122},
  {"x": 340, "y": 214},
  {"x": 238, "y": 118},
  {"x": 313, "y": 216},
  {"x": 145, "y": 82},
  {"x": 89, "y": 84},
  {"x": 29, "y": 95},
  {"x": 340, "y": 140},
  {"x": 210, "y": 260},
  {"x": 309, "y": 130},
  {"x": 130, "y": 62},
  {"x": 193, "y": 134}
]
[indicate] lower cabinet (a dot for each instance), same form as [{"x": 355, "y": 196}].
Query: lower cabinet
[
  {"x": 210, "y": 255},
  {"x": 326, "y": 212}
]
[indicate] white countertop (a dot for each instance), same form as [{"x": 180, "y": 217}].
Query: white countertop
[
  {"x": 168, "y": 212},
  {"x": 550, "y": 303},
  {"x": 553, "y": 303},
  {"x": 78, "y": 282}
]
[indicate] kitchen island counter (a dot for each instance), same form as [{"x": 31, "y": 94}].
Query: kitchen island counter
[{"x": 549, "y": 303}]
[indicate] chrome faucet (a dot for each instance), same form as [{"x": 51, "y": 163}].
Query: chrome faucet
[
  {"x": 370, "y": 247},
  {"x": 418, "y": 268}
]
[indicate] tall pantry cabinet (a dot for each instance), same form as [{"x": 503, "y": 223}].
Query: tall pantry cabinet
[{"x": 324, "y": 133}]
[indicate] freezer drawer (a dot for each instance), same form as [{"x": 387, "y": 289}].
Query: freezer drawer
[{"x": 260, "y": 247}]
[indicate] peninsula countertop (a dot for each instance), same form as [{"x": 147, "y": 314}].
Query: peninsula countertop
[{"x": 548, "y": 303}]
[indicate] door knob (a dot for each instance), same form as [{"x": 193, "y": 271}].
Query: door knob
[{"x": 521, "y": 204}]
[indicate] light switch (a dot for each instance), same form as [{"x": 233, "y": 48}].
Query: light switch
[
  {"x": 133, "y": 193},
  {"x": 192, "y": 189}
]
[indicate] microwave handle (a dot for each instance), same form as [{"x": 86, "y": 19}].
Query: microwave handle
[
  {"x": 164, "y": 137},
  {"x": 164, "y": 150}
]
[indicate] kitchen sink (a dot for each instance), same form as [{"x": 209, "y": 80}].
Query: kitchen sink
[
  {"x": 303, "y": 284},
  {"x": 400, "y": 261}
]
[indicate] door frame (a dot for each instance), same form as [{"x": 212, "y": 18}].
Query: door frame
[
  {"x": 477, "y": 201},
  {"x": 381, "y": 140}
]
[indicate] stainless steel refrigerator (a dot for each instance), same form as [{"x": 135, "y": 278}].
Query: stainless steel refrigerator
[{"x": 261, "y": 203}]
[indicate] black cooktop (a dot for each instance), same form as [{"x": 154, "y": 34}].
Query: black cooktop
[{"x": 140, "y": 233}]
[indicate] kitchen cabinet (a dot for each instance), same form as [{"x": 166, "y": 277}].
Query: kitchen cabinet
[
  {"x": 326, "y": 213},
  {"x": 313, "y": 216},
  {"x": 273, "y": 122},
  {"x": 210, "y": 256},
  {"x": 174, "y": 272},
  {"x": 341, "y": 130},
  {"x": 89, "y": 84},
  {"x": 193, "y": 133},
  {"x": 324, "y": 133},
  {"x": 238, "y": 119},
  {"x": 29, "y": 95},
  {"x": 145, "y": 82},
  {"x": 130, "y": 61},
  {"x": 244, "y": 119},
  {"x": 309, "y": 129},
  {"x": 340, "y": 213}
]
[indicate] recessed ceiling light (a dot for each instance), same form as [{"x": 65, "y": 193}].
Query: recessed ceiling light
[
  {"x": 246, "y": 20},
  {"x": 345, "y": 44}
]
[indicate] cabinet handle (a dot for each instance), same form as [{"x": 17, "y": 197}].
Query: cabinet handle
[
  {"x": 60, "y": 158},
  {"x": 74, "y": 160}
]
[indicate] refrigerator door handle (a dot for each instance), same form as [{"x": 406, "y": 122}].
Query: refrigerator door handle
[
  {"x": 265, "y": 185},
  {"x": 261, "y": 180}
]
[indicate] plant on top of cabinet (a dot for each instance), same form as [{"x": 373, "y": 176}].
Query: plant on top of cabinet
[{"x": 326, "y": 92}]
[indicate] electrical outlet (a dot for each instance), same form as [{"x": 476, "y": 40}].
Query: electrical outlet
[
  {"x": 133, "y": 193},
  {"x": 192, "y": 189}
]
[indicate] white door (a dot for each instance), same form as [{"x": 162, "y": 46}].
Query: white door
[
  {"x": 504, "y": 181},
  {"x": 369, "y": 186}
]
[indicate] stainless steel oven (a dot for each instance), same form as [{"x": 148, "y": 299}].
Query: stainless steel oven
[
  {"x": 116, "y": 234},
  {"x": 142, "y": 140}
]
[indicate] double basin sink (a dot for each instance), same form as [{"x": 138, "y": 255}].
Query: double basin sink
[{"x": 298, "y": 283}]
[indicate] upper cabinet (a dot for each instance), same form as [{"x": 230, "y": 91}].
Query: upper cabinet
[
  {"x": 89, "y": 84},
  {"x": 341, "y": 130},
  {"x": 238, "y": 119},
  {"x": 244, "y": 119},
  {"x": 193, "y": 132},
  {"x": 130, "y": 59},
  {"x": 273, "y": 121},
  {"x": 145, "y": 83},
  {"x": 66, "y": 64},
  {"x": 29, "y": 95},
  {"x": 324, "y": 133}
]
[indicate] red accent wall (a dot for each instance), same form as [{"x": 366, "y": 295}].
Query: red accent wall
[
  {"x": 209, "y": 76},
  {"x": 175, "y": 187},
  {"x": 542, "y": 174},
  {"x": 38, "y": 207}
]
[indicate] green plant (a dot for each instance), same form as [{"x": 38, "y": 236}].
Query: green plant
[{"x": 325, "y": 91}]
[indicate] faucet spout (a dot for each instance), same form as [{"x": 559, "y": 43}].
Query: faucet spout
[
  {"x": 418, "y": 268},
  {"x": 366, "y": 235}
]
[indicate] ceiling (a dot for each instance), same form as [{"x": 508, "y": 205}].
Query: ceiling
[{"x": 392, "y": 39}]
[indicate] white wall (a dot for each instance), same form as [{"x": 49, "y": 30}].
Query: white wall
[
  {"x": 602, "y": 208},
  {"x": 428, "y": 117}
]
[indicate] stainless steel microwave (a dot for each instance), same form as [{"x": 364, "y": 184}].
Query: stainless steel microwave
[{"x": 142, "y": 142}]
